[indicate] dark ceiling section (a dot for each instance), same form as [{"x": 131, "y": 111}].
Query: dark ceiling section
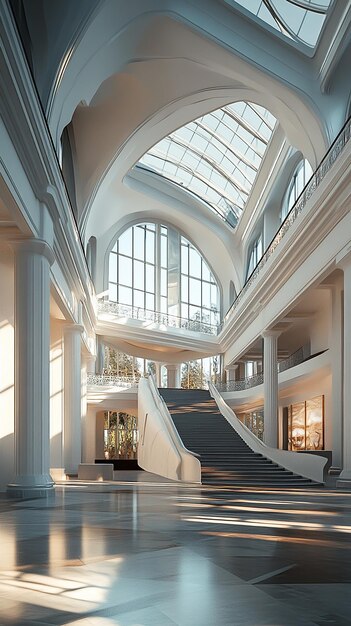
[{"x": 48, "y": 29}]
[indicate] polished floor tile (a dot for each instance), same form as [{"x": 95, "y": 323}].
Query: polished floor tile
[{"x": 144, "y": 552}]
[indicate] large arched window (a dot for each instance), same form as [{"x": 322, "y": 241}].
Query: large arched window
[
  {"x": 301, "y": 176},
  {"x": 132, "y": 267},
  {"x": 154, "y": 268}
]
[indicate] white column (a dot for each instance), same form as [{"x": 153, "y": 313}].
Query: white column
[
  {"x": 158, "y": 374},
  {"x": 173, "y": 375},
  {"x": 337, "y": 372},
  {"x": 231, "y": 372},
  {"x": 32, "y": 345},
  {"x": 72, "y": 435},
  {"x": 345, "y": 476},
  {"x": 270, "y": 387},
  {"x": 100, "y": 358},
  {"x": 88, "y": 367},
  {"x": 90, "y": 363}
]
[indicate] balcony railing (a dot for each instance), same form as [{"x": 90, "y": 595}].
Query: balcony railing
[
  {"x": 163, "y": 319},
  {"x": 242, "y": 383},
  {"x": 112, "y": 381},
  {"x": 296, "y": 358},
  {"x": 326, "y": 164}
]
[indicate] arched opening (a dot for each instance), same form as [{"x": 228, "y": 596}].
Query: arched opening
[{"x": 153, "y": 267}]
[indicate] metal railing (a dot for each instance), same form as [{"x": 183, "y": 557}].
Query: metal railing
[
  {"x": 102, "y": 380},
  {"x": 324, "y": 167},
  {"x": 242, "y": 383},
  {"x": 296, "y": 358},
  {"x": 299, "y": 356},
  {"x": 171, "y": 321}
]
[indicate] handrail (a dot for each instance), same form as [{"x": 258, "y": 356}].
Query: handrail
[
  {"x": 323, "y": 168},
  {"x": 308, "y": 465},
  {"x": 139, "y": 313}
]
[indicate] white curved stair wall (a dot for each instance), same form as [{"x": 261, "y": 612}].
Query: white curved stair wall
[
  {"x": 308, "y": 465},
  {"x": 160, "y": 449}
]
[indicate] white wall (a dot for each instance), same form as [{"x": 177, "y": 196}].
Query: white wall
[
  {"x": 56, "y": 394},
  {"x": 320, "y": 327},
  {"x": 6, "y": 368}
]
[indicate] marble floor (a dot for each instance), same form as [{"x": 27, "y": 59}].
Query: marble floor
[{"x": 143, "y": 551}]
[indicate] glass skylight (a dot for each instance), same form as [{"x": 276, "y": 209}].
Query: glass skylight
[
  {"x": 300, "y": 20},
  {"x": 217, "y": 156}
]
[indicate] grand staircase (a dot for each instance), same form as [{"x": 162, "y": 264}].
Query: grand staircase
[{"x": 225, "y": 458}]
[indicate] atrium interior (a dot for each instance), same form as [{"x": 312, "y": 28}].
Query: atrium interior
[{"x": 175, "y": 328}]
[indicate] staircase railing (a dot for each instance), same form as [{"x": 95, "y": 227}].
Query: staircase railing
[{"x": 307, "y": 465}]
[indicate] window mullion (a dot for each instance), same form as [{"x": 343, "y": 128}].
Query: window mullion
[{"x": 157, "y": 269}]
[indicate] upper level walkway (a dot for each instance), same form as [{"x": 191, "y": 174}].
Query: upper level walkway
[{"x": 304, "y": 250}]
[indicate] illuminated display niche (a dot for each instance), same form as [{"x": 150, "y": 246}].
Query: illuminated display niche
[{"x": 306, "y": 425}]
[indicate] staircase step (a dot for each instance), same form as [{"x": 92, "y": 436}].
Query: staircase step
[{"x": 225, "y": 457}]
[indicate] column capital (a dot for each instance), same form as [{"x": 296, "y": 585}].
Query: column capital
[
  {"x": 73, "y": 328},
  {"x": 90, "y": 358},
  {"x": 232, "y": 368},
  {"x": 34, "y": 246},
  {"x": 343, "y": 259},
  {"x": 172, "y": 366},
  {"x": 271, "y": 333}
]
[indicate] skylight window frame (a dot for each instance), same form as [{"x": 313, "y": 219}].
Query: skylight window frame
[
  {"x": 286, "y": 38},
  {"x": 197, "y": 175},
  {"x": 228, "y": 169}
]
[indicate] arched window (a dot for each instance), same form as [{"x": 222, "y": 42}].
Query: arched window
[
  {"x": 301, "y": 176},
  {"x": 153, "y": 267},
  {"x": 199, "y": 291},
  {"x": 91, "y": 257},
  {"x": 256, "y": 252},
  {"x": 132, "y": 267},
  {"x": 232, "y": 292}
]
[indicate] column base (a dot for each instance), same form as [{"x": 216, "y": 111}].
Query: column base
[
  {"x": 38, "y": 486},
  {"x": 344, "y": 480},
  {"x": 334, "y": 471}
]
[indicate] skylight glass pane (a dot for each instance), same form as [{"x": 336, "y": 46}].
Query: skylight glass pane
[
  {"x": 217, "y": 156},
  {"x": 298, "y": 20}
]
